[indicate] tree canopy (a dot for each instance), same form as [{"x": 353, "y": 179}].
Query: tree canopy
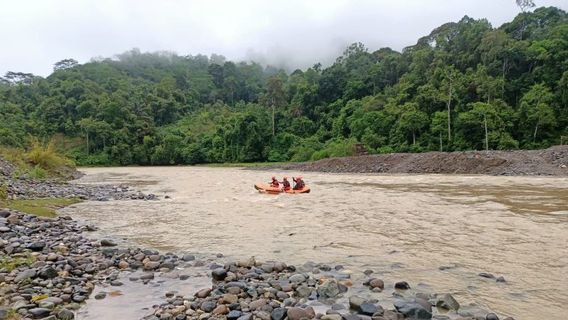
[{"x": 464, "y": 86}]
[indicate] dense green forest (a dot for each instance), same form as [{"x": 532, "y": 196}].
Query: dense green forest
[{"x": 465, "y": 86}]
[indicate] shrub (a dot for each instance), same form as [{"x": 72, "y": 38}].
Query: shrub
[
  {"x": 45, "y": 156},
  {"x": 3, "y": 192},
  {"x": 38, "y": 173}
]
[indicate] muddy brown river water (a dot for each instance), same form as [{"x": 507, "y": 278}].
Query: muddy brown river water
[{"x": 404, "y": 227}]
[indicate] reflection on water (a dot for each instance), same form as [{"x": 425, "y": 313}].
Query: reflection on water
[{"x": 404, "y": 227}]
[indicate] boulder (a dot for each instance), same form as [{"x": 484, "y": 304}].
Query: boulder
[
  {"x": 219, "y": 274},
  {"x": 414, "y": 308},
  {"x": 279, "y": 314},
  {"x": 328, "y": 289}
]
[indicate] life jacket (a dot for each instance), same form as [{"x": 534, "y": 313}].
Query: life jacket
[
  {"x": 275, "y": 183},
  {"x": 286, "y": 184}
]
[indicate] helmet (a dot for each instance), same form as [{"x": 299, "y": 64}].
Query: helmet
[
  {"x": 285, "y": 178},
  {"x": 298, "y": 178},
  {"x": 273, "y": 178}
]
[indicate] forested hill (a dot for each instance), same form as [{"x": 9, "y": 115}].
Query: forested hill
[{"x": 464, "y": 86}]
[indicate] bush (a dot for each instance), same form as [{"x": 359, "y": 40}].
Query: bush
[
  {"x": 385, "y": 149},
  {"x": 38, "y": 173},
  {"x": 45, "y": 156},
  {"x": 337, "y": 148}
]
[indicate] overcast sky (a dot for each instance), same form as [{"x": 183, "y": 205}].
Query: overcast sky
[{"x": 36, "y": 34}]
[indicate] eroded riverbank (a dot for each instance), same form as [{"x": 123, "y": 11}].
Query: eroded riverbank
[{"x": 402, "y": 227}]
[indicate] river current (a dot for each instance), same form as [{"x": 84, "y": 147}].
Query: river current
[{"x": 437, "y": 232}]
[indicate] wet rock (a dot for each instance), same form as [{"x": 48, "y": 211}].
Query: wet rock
[
  {"x": 368, "y": 308},
  {"x": 220, "y": 309},
  {"x": 37, "y": 246},
  {"x": 107, "y": 243},
  {"x": 297, "y": 278},
  {"x": 234, "y": 315},
  {"x": 24, "y": 275},
  {"x": 48, "y": 273},
  {"x": 491, "y": 316},
  {"x": 100, "y": 295},
  {"x": 447, "y": 302},
  {"x": 219, "y": 274},
  {"x": 203, "y": 293},
  {"x": 246, "y": 316},
  {"x": 147, "y": 276},
  {"x": 500, "y": 279},
  {"x": 257, "y": 304},
  {"x": 46, "y": 305},
  {"x": 295, "y": 313},
  {"x": 377, "y": 283},
  {"x": 230, "y": 298},
  {"x": 304, "y": 291},
  {"x": 337, "y": 306},
  {"x": 208, "y": 306},
  {"x": 414, "y": 308},
  {"x": 328, "y": 289},
  {"x": 355, "y": 302},
  {"x": 39, "y": 312},
  {"x": 402, "y": 285},
  {"x": 188, "y": 257},
  {"x": 349, "y": 316},
  {"x": 278, "y": 314},
  {"x": 151, "y": 265},
  {"x": 486, "y": 275},
  {"x": 3, "y": 311}
]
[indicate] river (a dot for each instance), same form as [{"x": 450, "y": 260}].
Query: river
[{"x": 404, "y": 227}]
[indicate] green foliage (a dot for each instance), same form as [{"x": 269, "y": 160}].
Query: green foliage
[
  {"x": 462, "y": 86},
  {"x": 45, "y": 156},
  {"x": 44, "y": 207},
  {"x": 3, "y": 192},
  {"x": 9, "y": 263},
  {"x": 336, "y": 148}
]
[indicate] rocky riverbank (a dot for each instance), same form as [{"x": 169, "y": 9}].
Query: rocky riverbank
[
  {"x": 549, "y": 162},
  {"x": 20, "y": 186},
  {"x": 50, "y": 267}
]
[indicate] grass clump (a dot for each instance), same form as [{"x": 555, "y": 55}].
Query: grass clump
[
  {"x": 3, "y": 192},
  {"x": 40, "y": 160},
  {"x": 45, "y": 207},
  {"x": 45, "y": 156},
  {"x": 10, "y": 263}
]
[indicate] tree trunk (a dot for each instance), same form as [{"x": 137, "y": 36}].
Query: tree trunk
[
  {"x": 503, "y": 76},
  {"x": 413, "y": 138},
  {"x": 87, "y": 142},
  {"x": 441, "y": 146},
  {"x": 273, "y": 122},
  {"x": 535, "y": 131},
  {"x": 486, "y": 135},
  {"x": 449, "y": 112}
]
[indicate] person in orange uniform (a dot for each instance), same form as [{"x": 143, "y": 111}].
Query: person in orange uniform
[
  {"x": 285, "y": 184},
  {"x": 299, "y": 183},
  {"x": 274, "y": 183}
]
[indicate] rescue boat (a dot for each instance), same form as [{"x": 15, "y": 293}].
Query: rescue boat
[{"x": 265, "y": 188}]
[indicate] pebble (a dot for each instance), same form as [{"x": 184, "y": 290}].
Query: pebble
[{"x": 402, "y": 285}]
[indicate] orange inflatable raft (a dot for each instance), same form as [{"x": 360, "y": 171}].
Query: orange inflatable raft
[{"x": 265, "y": 188}]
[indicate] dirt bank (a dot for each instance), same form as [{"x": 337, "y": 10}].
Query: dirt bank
[{"x": 552, "y": 161}]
